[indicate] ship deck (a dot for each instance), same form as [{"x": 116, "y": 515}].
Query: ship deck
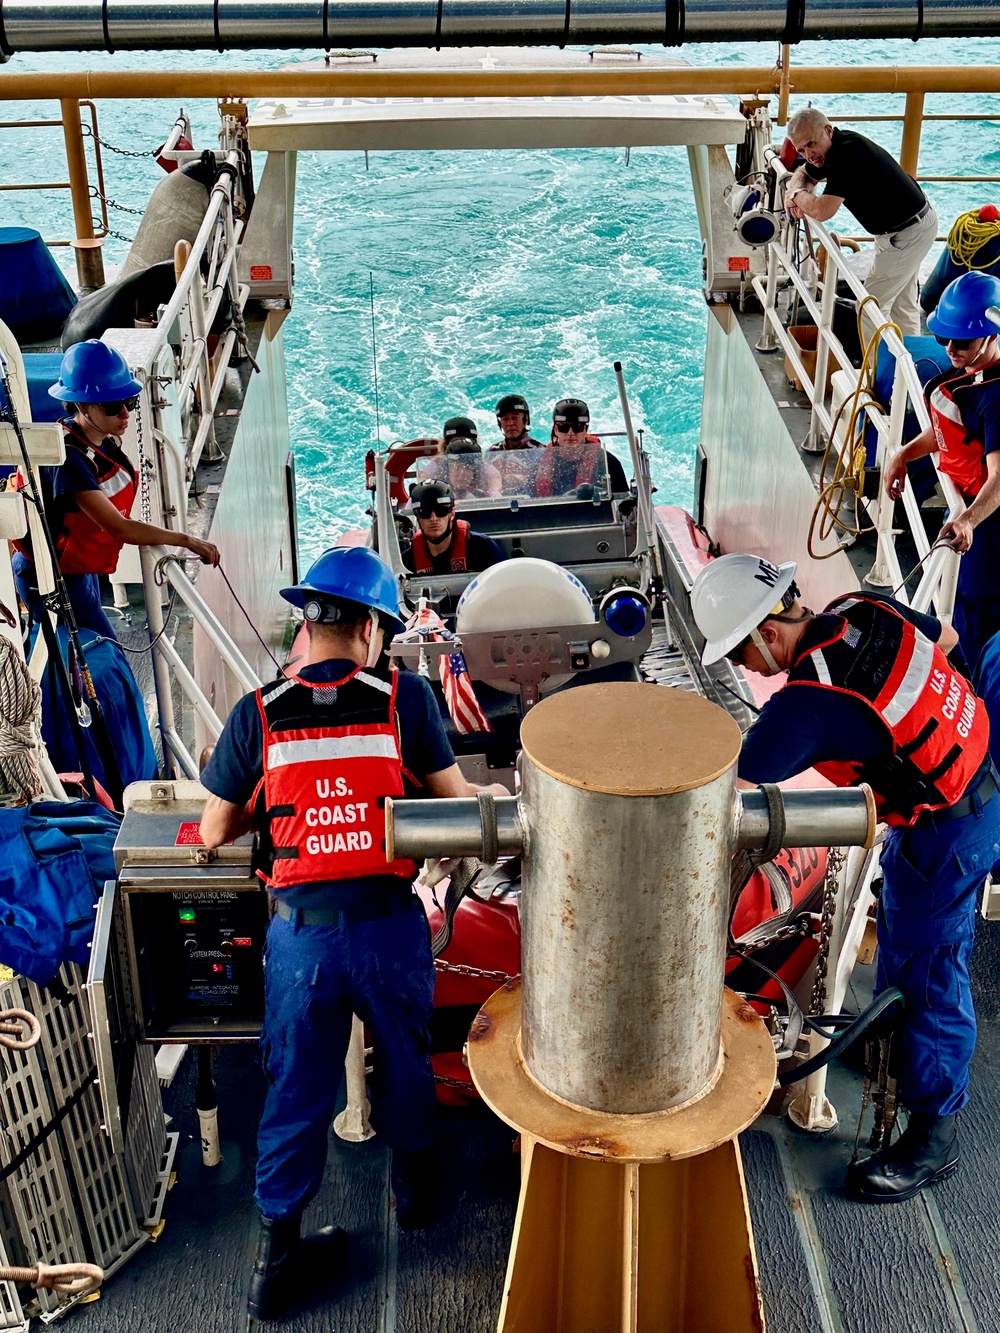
[{"x": 827, "y": 1264}]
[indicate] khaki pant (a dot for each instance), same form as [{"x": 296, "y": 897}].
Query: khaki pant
[{"x": 893, "y": 278}]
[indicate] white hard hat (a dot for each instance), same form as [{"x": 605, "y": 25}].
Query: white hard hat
[{"x": 733, "y": 595}]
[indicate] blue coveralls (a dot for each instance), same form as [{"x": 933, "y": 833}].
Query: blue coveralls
[
  {"x": 371, "y": 958},
  {"x": 932, "y": 876}
]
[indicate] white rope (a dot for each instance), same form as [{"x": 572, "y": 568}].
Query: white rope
[{"x": 20, "y": 713}]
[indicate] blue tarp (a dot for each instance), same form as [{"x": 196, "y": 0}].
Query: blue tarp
[{"x": 54, "y": 860}]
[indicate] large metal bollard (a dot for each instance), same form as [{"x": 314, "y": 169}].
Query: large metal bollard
[{"x": 626, "y": 896}]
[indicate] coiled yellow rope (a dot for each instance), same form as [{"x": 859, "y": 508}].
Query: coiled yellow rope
[
  {"x": 968, "y": 236},
  {"x": 846, "y": 481}
]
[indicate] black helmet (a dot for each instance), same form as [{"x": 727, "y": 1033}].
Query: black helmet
[
  {"x": 461, "y": 444},
  {"x": 463, "y": 426},
  {"x": 572, "y": 412},
  {"x": 513, "y": 402},
  {"x": 432, "y": 499}
]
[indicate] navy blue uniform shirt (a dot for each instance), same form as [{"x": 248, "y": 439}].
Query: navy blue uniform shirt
[
  {"x": 237, "y": 765},
  {"x": 799, "y": 728}
]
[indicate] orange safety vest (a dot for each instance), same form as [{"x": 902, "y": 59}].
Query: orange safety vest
[
  {"x": 938, "y": 729},
  {"x": 331, "y": 757},
  {"x": 82, "y": 546},
  {"x": 586, "y": 466},
  {"x": 962, "y": 456},
  {"x": 423, "y": 562}
]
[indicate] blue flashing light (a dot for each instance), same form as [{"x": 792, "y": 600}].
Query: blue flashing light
[{"x": 626, "y": 615}]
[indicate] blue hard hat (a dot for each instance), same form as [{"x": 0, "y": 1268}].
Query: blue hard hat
[
  {"x": 354, "y": 573},
  {"x": 961, "y": 311},
  {"x": 93, "y": 372}
]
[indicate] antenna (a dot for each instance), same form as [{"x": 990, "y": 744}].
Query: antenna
[{"x": 371, "y": 294}]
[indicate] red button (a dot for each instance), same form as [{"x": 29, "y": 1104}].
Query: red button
[{"x": 242, "y": 940}]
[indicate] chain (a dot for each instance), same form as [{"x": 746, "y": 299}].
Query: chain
[
  {"x": 467, "y": 970},
  {"x": 801, "y": 928},
  {"x": 834, "y": 865},
  {"x": 122, "y": 152},
  {"x": 145, "y": 467},
  {"x": 461, "y": 1084},
  {"x": 116, "y": 235}
]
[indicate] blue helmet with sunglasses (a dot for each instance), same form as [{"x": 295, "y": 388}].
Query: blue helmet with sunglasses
[
  {"x": 93, "y": 372},
  {"x": 960, "y": 315}
]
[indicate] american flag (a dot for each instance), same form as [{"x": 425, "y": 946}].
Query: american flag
[{"x": 459, "y": 692}]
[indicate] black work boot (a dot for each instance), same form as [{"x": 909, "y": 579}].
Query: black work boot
[
  {"x": 926, "y": 1151},
  {"x": 412, "y": 1179},
  {"x": 286, "y": 1265}
]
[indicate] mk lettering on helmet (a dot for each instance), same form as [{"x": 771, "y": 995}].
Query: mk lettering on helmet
[{"x": 767, "y": 573}]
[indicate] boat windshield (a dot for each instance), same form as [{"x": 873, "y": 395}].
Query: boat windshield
[{"x": 571, "y": 472}]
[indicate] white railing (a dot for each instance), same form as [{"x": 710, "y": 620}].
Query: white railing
[
  {"x": 940, "y": 567},
  {"x": 190, "y": 315},
  {"x": 167, "y": 661}
]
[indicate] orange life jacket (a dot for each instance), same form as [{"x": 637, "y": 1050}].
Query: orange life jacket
[
  {"x": 586, "y": 467},
  {"x": 82, "y": 546},
  {"x": 962, "y": 456},
  {"x": 938, "y": 729},
  {"x": 423, "y": 562},
  {"x": 331, "y": 757}
]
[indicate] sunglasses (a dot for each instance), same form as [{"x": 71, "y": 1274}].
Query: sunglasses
[
  {"x": 564, "y": 427},
  {"x": 959, "y": 344},
  {"x": 735, "y": 654},
  {"x": 434, "y": 511},
  {"x": 112, "y": 409}
]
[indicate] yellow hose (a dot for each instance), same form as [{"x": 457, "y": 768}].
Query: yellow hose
[
  {"x": 968, "y": 236},
  {"x": 849, "y": 459}
]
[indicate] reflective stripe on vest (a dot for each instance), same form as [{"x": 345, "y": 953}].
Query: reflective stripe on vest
[
  {"x": 83, "y": 547},
  {"x": 961, "y": 456},
  {"x": 586, "y": 467},
  {"x": 329, "y": 764},
  {"x": 457, "y": 552},
  {"x": 937, "y": 727}
]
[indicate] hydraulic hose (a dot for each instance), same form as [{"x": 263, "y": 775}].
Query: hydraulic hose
[{"x": 886, "y": 1000}]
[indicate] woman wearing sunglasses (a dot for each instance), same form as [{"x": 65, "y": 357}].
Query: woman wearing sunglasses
[
  {"x": 964, "y": 408},
  {"x": 88, "y": 500}
]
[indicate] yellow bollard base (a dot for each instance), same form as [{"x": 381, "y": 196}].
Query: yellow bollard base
[
  {"x": 628, "y": 1223},
  {"x": 631, "y": 1247}
]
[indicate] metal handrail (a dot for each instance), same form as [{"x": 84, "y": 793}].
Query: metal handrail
[{"x": 937, "y": 583}]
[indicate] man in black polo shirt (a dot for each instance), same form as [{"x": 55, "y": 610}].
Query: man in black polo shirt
[{"x": 881, "y": 195}]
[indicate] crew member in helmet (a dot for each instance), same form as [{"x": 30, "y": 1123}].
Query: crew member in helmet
[
  {"x": 458, "y": 428},
  {"x": 514, "y": 418},
  {"x": 576, "y": 458},
  {"x": 871, "y": 697},
  {"x": 308, "y": 762},
  {"x": 443, "y": 543},
  {"x": 463, "y": 467},
  {"x": 89, "y": 499},
  {"x": 964, "y": 407}
]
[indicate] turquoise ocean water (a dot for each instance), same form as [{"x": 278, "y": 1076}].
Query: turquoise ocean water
[{"x": 492, "y": 271}]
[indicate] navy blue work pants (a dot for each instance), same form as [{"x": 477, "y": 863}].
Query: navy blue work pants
[
  {"x": 934, "y": 873},
  {"x": 315, "y": 977},
  {"x": 84, "y": 595}
]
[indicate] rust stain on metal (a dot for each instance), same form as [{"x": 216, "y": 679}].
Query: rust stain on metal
[
  {"x": 746, "y": 1013},
  {"x": 592, "y": 1145},
  {"x": 512, "y": 985},
  {"x": 481, "y": 1026},
  {"x": 754, "y": 1285}
]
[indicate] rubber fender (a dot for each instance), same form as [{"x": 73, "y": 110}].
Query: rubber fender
[
  {"x": 120, "y": 304},
  {"x": 174, "y": 213}
]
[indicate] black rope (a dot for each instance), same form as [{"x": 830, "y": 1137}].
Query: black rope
[
  {"x": 34, "y": 1143},
  {"x": 840, "y": 1043},
  {"x": 566, "y": 23},
  {"x": 920, "y": 21},
  {"x": 795, "y": 22},
  {"x": 105, "y": 29},
  {"x": 215, "y": 27},
  {"x": 246, "y": 615},
  {"x": 439, "y": 22},
  {"x": 775, "y": 824},
  {"x": 326, "y": 26},
  {"x": 675, "y": 18},
  {"x": 6, "y": 50}
]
